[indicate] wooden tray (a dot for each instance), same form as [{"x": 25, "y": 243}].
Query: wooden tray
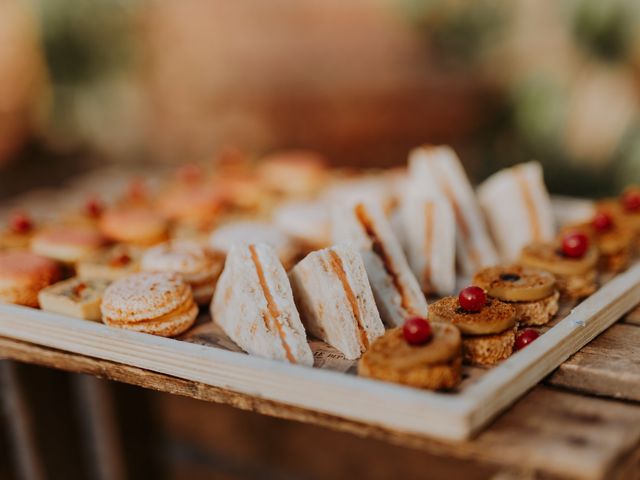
[{"x": 205, "y": 355}]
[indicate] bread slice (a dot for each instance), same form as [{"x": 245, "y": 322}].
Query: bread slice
[
  {"x": 537, "y": 312},
  {"x": 253, "y": 304},
  {"x": 333, "y": 294},
  {"x": 437, "y": 171},
  {"x": 518, "y": 209},
  {"x": 488, "y": 349},
  {"x": 429, "y": 229},
  {"x": 395, "y": 288}
]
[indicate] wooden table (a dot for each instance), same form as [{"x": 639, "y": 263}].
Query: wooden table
[{"x": 582, "y": 422}]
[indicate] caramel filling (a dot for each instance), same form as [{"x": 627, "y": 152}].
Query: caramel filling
[
  {"x": 167, "y": 317},
  {"x": 379, "y": 250},
  {"x": 530, "y": 205},
  {"x": 461, "y": 222},
  {"x": 274, "y": 313},
  {"x": 338, "y": 269},
  {"x": 428, "y": 245}
]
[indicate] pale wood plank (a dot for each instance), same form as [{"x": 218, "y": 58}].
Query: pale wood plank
[
  {"x": 548, "y": 432},
  {"x": 609, "y": 365}
]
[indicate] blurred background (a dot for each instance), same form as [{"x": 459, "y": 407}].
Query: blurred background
[{"x": 91, "y": 82}]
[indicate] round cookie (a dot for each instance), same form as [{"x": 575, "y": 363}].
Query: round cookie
[
  {"x": 515, "y": 283},
  {"x": 144, "y": 296},
  {"x": 495, "y": 316},
  {"x": 68, "y": 244},
  {"x": 23, "y": 274}
]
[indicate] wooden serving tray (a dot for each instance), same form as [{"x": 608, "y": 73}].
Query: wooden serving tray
[{"x": 205, "y": 355}]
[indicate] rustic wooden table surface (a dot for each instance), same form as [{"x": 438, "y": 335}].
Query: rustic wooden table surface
[{"x": 582, "y": 422}]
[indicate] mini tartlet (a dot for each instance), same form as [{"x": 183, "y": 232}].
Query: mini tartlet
[
  {"x": 434, "y": 364},
  {"x": 23, "y": 274},
  {"x": 531, "y": 291},
  {"x": 574, "y": 268},
  {"x": 111, "y": 263},
  {"x": 488, "y": 330},
  {"x": 74, "y": 297}
]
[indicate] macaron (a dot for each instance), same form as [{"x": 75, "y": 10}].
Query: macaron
[
  {"x": 293, "y": 172},
  {"x": 138, "y": 225},
  {"x": 194, "y": 204},
  {"x": 23, "y": 274},
  {"x": 69, "y": 244},
  {"x": 155, "y": 303},
  {"x": 198, "y": 267}
]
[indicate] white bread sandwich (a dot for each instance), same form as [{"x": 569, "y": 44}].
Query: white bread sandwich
[
  {"x": 395, "y": 288},
  {"x": 428, "y": 228},
  {"x": 517, "y": 207},
  {"x": 437, "y": 171},
  {"x": 333, "y": 294},
  {"x": 305, "y": 220},
  {"x": 253, "y": 304}
]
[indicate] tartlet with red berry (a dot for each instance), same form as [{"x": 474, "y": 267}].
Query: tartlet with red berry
[
  {"x": 572, "y": 259},
  {"x": 420, "y": 354},
  {"x": 488, "y": 326},
  {"x": 612, "y": 237},
  {"x": 531, "y": 291},
  {"x": 18, "y": 232}
]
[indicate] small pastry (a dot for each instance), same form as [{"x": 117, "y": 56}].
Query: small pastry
[
  {"x": 395, "y": 288},
  {"x": 18, "y": 233},
  {"x": 293, "y": 172},
  {"x": 198, "y": 268},
  {"x": 254, "y": 305},
  {"x": 194, "y": 204},
  {"x": 155, "y": 303},
  {"x": 68, "y": 244},
  {"x": 429, "y": 230},
  {"x": 420, "y": 354},
  {"x": 571, "y": 260},
  {"x": 612, "y": 238},
  {"x": 531, "y": 291},
  {"x": 306, "y": 221},
  {"x": 527, "y": 216},
  {"x": 137, "y": 225},
  {"x": 438, "y": 170},
  {"x": 333, "y": 295},
  {"x": 110, "y": 264},
  {"x": 23, "y": 274},
  {"x": 74, "y": 297},
  {"x": 488, "y": 326},
  {"x": 627, "y": 207},
  {"x": 243, "y": 232}
]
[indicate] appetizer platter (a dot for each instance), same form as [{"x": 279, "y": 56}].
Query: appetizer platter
[{"x": 402, "y": 298}]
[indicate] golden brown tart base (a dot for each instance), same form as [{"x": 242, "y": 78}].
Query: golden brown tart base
[
  {"x": 539, "y": 312},
  {"x": 435, "y": 365},
  {"x": 486, "y": 350}
]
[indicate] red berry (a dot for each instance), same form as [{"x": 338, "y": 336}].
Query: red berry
[
  {"x": 525, "y": 338},
  {"x": 190, "y": 173},
  {"x": 472, "y": 299},
  {"x": 93, "y": 207},
  {"x": 631, "y": 200},
  {"x": 416, "y": 331},
  {"x": 575, "y": 244},
  {"x": 602, "y": 221},
  {"x": 20, "y": 223}
]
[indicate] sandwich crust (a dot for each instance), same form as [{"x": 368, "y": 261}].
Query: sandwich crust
[
  {"x": 23, "y": 274},
  {"x": 495, "y": 317},
  {"x": 435, "y": 365}
]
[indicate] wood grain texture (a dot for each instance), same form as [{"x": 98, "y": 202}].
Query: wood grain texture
[{"x": 548, "y": 432}]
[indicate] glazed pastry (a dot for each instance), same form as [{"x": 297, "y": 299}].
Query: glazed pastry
[
  {"x": 429, "y": 229},
  {"x": 155, "y": 303},
  {"x": 18, "y": 232},
  {"x": 23, "y": 274},
  {"x": 335, "y": 301},
  {"x": 68, "y": 244},
  {"x": 198, "y": 268},
  {"x": 518, "y": 209},
  {"x": 488, "y": 326},
  {"x": 254, "y": 305},
  {"x": 395, "y": 288},
  {"x": 531, "y": 291},
  {"x": 293, "y": 172},
  {"x": 244, "y": 232},
  {"x": 611, "y": 236},
  {"x": 74, "y": 297},
  {"x": 438, "y": 171},
  {"x": 137, "y": 225},
  {"x": 110, "y": 264},
  {"x": 434, "y": 363},
  {"x": 306, "y": 221},
  {"x": 571, "y": 260}
]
